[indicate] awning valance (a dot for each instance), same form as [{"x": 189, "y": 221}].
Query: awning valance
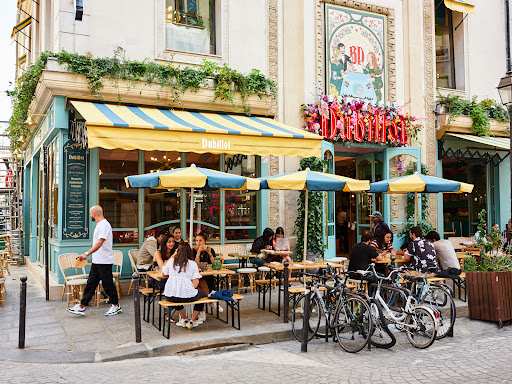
[
  {"x": 497, "y": 142},
  {"x": 463, "y": 6},
  {"x": 22, "y": 24},
  {"x": 131, "y": 127}
]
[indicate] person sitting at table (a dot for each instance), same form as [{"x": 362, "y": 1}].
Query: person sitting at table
[
  {"x": 506, "y": 238},
  {"x": 203, "y": 253},
  {"x": 383, "y": 243},
  {"x": 181, "y": 287},
  {"x": 176, "y": 233},
  {"x": 445, "y": 252},
  {"x": 260, "y": 244},
  {"x": 160, "y": 259},
  {"x": 361, "y": 256},
  {"x": 421, "y": 253},
  {"x": 148, "y": 250}
]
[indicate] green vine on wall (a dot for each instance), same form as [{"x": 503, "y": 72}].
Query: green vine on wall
[
  {"x": 315, "y": 214},
  {"x": 481, "y": 111},
  {"x": 227, "y": 81}
]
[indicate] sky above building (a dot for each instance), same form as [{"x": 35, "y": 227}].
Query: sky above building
[{"x": 7, "y": 56}]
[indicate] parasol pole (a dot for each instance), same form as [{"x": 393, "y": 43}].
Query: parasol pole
[
  {"x": 415, "y": 208},
  {"x": 306, "y": 227},
  {"x": 191, "y": 225}
]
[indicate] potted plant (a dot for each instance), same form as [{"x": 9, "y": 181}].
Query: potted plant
[{"x": 489, "y": 278}]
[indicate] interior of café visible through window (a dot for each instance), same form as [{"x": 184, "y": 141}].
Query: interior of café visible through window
[
  {"x": 240, "y": 209},
  {"x": 190, "y": 26},
  {"x": 120, "y": 204},
  {"x": 161, "y": 206}
]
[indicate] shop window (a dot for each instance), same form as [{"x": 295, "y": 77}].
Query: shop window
[
  {"x": 207, "y": 204},
  {"x": 120, "y": 204},
  {"x": 240, "y": 207},
  {"x": 445, "y": 63},
  {"x": 477, "y": 177},
  {"x": 190, "y": 26},
  {"x": 53, "y": 187},
  {"x": 456, "y": 206},
  {"x": 161, "y": 206}
]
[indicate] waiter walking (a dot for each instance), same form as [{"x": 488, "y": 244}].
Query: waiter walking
[{"x": 101, "y": 269}]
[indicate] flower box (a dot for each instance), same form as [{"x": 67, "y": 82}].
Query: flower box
[
  {"x": 489, "y": 295},
  {"x": 464, "y": 124}
]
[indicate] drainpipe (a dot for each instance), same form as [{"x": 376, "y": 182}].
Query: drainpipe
[{"x": 507, "y": 13}]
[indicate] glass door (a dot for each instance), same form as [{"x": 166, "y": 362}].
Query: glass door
[{"x": 330, "y": 232}]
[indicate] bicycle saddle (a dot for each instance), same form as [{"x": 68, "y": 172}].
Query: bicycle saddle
[{"x": 413, "y": 278}]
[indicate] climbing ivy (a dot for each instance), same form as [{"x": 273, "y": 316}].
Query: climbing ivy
[
  {"x": 228, "y": 82},
  {"x": 315, "y": 214}
]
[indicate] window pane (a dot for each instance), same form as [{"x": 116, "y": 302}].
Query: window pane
[
  {"x": 161, "y": 207},
  {"x": 53, "y": 181},
  {"x": 445, "y": 70},
  {"x": 240, "y": 210},
  {"x": 190, "y": 25},
  {"x": 206, "y": 203},
  {"x": 455, "y": 205},
  {"x": 120, "y": 204}
]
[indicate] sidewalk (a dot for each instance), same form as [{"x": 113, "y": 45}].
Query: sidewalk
[{"x": 55, "y": 336}]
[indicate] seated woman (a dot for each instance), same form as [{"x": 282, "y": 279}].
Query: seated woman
[
  {"x": 181, "y": 287},
  {"x": 261, "y": 243},
  {"x": 383, "y": 243},
  {"x": 161, "y": 257},
  {"x": 204, "y": 254},
  {"x": 280, "y": 243}
]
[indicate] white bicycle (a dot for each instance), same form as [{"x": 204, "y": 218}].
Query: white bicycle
[{"x": 418, "y": 321}]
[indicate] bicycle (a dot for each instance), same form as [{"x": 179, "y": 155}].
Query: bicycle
[
  {"x": 418, "y": 321},
  {"x": 345, "y": 313}
]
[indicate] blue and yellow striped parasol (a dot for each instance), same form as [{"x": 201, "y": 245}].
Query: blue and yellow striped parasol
[{"x": 194, "y": 178}]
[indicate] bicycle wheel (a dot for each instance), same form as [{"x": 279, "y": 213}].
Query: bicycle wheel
[
  {"x": 421, "y": 328},
  {"x": 298, "y": 316},
  {"x": 382, "y": 337},
  {"x": 353, "y": 324},
  {"x": 442, "y": 304}
]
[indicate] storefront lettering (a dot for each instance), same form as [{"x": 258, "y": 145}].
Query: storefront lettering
[
  {"x": 76, "y": 218},
  {"x": 368, "y": 128},
  {"x": 216, "y": 144}
]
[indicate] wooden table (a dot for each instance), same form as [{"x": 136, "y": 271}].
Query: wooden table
[
  {"x": 242, "y": 259},
  {"x": 277, "y": 269},
  {"x": 217, "y": 274},
  {"x": 277, "y": 253}
]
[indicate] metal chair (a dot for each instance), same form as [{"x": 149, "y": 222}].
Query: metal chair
[
  {"x": 73, "y": 284},
  {"x": 118, "y": 265}
]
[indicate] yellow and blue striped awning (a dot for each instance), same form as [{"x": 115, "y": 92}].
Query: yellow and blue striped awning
[
  {"x": 498, "y": 142},
  {"x": 131, "y": 127},
  {"x": 22, "y": 24},
  {"x": 463, "y": 6}
]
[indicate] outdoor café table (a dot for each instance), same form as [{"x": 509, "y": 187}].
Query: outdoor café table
[
  {"x": 387, "y": 261},
  {"x": 242, "y": 259},
  {"x": 278, "y": 268},
  {"x": 277, "y": 253}
]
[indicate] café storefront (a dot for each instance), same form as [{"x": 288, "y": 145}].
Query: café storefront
[{"x": 93, "y": 146}]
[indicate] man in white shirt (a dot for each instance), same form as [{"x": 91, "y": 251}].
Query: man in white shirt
[
  {"x": 444, "y": 251},
  {"x": 101, "y": 268}
]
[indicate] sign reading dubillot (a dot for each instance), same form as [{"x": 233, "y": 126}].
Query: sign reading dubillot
[{"x": 76, "y": 181}]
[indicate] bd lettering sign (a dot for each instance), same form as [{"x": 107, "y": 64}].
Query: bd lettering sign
[{"x": 216, "y": 144}]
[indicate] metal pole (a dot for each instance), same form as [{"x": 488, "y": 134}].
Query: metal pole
[
  {"x": 136, "y": 306},
  {"x": 415, "y": 208},
  {"x": 191, "y": 218},
  {"x": 45, "y": 224},
  {"x": 286, "y": 304},
  {"x": 510, "y": 150},
  {"x": 306, "y": 227},
  {"x": 305, "y": 318},
  {"x": 23, "y": 312}
]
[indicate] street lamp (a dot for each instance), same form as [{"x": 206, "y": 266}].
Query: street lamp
[{"x": 505, "y": 91}]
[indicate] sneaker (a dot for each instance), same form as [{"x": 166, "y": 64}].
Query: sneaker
[
  {"x": 202, "y": 317},
  {"x": 77, "y": 310},
  {"x": 191, "y": 324},
  {"x": 214, "y": 307},
  {"x": 114, "y": 310},
  {"x": 182, "y": 323}
]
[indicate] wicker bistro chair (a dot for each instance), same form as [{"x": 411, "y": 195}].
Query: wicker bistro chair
[
  {"x": 2, "y": 287},
  {"x": 118, "y": 266},
  {"x": 143, "y": 273},
  {"x": 73, "y": 284}
]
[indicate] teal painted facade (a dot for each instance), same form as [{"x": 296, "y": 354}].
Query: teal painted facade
[{"x": 54, "y": 129}]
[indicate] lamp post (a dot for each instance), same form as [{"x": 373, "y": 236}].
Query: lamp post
[{"x": 505, "y": 91}]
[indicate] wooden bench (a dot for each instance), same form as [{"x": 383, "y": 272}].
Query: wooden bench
[{"x": 169, "y": 306}]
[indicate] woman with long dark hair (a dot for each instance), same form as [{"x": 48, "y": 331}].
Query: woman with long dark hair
[
  {"x": 181, "y": 287},
  {"x": 261, "y": 243},
  {"x": 160, "y": 258},
  {"x": 383, "y": 243}
]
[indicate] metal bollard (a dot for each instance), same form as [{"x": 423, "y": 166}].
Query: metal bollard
[
  {"x": 286, "y": 304},
  {"x": 305, "y": 318},
  {"x": 136, "y": 307},
  {"x": 23, "y": 312}
]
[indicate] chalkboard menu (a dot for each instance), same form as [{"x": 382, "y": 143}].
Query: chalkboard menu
[{"x": 76, "y": 182}]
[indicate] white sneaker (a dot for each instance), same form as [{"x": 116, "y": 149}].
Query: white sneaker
[
  {"x": 77, "y": 310},
  {"x": 201, "y": 317},
  {"x": 114, "y": 310},
  {"x": 182, "y": 323},
  {"x": 214, "y": 307}
]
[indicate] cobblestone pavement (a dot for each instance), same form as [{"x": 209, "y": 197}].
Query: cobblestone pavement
[{"x": 479, "y": 353}]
